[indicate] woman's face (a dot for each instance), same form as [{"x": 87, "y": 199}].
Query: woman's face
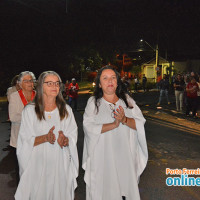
[
  {"x": 51, "y": 86},
  {"x": 108, "y": 81},
  {"x": 27, "y": 83}
]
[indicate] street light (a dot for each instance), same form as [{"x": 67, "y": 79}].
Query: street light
[
  {"x": 154, "y": 49},
  {"x": 148, "y": 44}
]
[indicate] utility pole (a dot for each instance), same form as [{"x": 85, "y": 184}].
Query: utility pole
[
  {"x": 123, "y": 63},
  {"x": 157, "y": 56}
]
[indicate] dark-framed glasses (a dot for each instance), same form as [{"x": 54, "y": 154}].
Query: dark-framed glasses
[
  {"x": 112, "y": 107},
  {"x": 28, "y": 81},
  {"x": 51, "y": 83}
]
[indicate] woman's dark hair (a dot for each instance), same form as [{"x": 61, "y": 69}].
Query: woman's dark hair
[
  {"x": 121, "y": 90},
  {"x": 39, "y": 101}
]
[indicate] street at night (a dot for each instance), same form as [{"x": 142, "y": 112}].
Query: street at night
[{"x": 173, "y": 142}]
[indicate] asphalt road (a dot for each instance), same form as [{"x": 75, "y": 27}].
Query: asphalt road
[
  {"x": 170, "y": 144},
  {"x": 169, "y": 148}
]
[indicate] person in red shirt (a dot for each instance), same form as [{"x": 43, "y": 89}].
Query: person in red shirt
[
  {"x": 192, "y": 103},
  {"x": 73, "y": 93}
]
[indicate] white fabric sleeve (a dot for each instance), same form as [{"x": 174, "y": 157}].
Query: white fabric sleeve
[
  {"x": 71, "y": 131},
  {"x": 92, "y": 130},
  {"x": 26, "y": 139},
  {"x": 142, "y": 152},
  {"x": 14, "y": 115}
]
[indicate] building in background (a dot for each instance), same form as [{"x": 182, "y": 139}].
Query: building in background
[{"x": 155, "y": 73}]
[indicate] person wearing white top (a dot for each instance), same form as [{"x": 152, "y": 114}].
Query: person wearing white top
[
  {"x": 46, "y": 147},
  {"x": 115, "y": 150}
]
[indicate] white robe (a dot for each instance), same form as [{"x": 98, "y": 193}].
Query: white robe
[
  {"x": 113, "y": 161},
  {"x": 47, "y": 172}
]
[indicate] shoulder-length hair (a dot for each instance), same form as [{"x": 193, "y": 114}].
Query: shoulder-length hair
[
  {"x": 39, "y": 100},
  {"x": 121, "y": 90}
]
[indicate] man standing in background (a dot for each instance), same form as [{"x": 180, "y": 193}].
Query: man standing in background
[
  {"x": 144, "y": 82},
  {"x": 73, "y": 93},
  {"x": 164, "y": 89}
]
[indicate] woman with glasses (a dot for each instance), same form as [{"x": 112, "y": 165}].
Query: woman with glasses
[
  {"x": 46, "y": 149},
  {"x": 115, "y": 150},
  {"x": 17, "y": 101}
]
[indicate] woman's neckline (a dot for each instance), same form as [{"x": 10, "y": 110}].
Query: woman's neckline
[
  {"x": 51, "y": 110},
  {"x": 110, "y": 102},
  {"x": 29, "y": 95}
]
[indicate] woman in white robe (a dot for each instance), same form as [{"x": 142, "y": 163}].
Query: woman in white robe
[
  {"x": 46, "y": 149},
  {"x": 115, "y": 150}
]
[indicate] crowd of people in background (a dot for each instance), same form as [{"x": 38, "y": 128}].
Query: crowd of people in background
[
  {"x": 186, "y": 89},
  {"x": 187, "y": 93},
  {"x": 134, "y": 80}
]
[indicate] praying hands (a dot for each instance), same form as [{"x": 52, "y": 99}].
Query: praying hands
[{"x": 120, "y": 115}]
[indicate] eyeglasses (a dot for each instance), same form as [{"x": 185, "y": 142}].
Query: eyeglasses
[
  {"x": 51, "y": 83},
  {"x": 112, "y": 107},
  {"x": 29, "y": 81}
]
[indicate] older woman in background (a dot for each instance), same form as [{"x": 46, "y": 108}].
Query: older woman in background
[
  {"x": 46, "y": 148},
  {"x": 115, "y": 151},
  {"x": 17, "y": 101}
]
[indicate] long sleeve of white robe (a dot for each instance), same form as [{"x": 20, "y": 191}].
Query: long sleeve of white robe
[
  {"x": 99, "y": 148},
  {"x": 47, "y": 172}
]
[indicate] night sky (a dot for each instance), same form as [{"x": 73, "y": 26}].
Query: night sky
[{"x": 39, "y": 34}]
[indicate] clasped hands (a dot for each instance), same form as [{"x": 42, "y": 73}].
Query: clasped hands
[
  {"x": 119, "y": 116},
  {"x": 62, "y": 140}
]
